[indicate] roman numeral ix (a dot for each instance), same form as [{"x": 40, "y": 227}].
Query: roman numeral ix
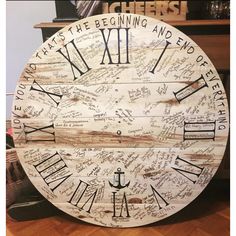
[{"x": 39, "y": 134}]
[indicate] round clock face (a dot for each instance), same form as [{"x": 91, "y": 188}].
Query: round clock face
[{"x": 120, "y": 120}]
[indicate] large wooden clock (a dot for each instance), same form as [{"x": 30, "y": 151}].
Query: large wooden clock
[{"x": 120, "y": 120}]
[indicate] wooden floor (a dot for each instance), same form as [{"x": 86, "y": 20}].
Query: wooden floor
[{"x": 208, "y": 215}]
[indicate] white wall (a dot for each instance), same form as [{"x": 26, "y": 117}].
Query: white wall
[{"x": 22, "y": 39}]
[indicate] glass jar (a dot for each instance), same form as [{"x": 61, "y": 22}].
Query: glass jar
[{"x": 217, "y": 10}]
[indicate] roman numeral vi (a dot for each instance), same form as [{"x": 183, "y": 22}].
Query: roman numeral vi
[{"x": 123, "y": 206}]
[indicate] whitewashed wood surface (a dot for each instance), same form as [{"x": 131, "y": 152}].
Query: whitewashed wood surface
[{"x": 120, "y": 120}]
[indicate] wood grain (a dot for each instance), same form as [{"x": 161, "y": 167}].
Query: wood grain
[
  {"x": 209, "y": 43},
  {"x": 173, "y": 23}
]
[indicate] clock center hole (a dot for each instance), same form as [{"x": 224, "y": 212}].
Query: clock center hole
[{"x": 118, "y": 132}]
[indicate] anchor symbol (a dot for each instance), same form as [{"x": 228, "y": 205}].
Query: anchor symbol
[{"x": 118, "y": 180}]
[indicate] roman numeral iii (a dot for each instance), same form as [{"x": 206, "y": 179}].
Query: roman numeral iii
[{"x": 199, "y": 130}]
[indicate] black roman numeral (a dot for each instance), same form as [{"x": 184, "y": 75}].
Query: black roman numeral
[
  {"x": 187, "y": 169},
  {"x": 123, "y": 206},
  {"x": 44, "y": 134},
  {"x": 190, "y": 89},
  {"x": 199, "y": 130},
  {"x": 158, "y": 60},
  {"x": 75, "y": 58},
  {"x": 54, "y": 96},
  {"x": 53, "y": 170},
  {"x": 159, "y": 198},
  {"x": 116, "y": 57},
  {"x": 80, "y": 192}
]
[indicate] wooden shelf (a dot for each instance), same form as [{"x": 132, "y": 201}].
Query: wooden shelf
[
  {"x": 173, "y": 23},
  {"x": 199, "y": 22}
]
